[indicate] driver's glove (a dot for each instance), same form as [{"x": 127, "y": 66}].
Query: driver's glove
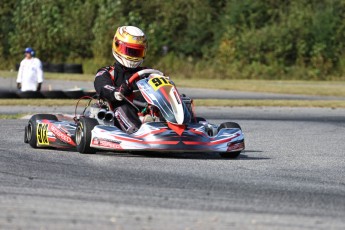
[
  {"x": 118, "y": 96},
  {"x": 123, "y": 90}
]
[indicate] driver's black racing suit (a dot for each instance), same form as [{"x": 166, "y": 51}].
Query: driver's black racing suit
[{"x": 113, "y": 79}]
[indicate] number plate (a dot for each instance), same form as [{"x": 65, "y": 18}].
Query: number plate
[
  {"x": 42, "y": 134},
  {"x": 158, "y": 82}
]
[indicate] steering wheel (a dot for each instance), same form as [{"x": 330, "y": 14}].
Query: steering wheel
[{"x": 141, "y": 74}]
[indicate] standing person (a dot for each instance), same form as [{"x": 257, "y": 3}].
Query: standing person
[
  {"x": 30, "y": 73},
  {"x": 111, "y": 82}
]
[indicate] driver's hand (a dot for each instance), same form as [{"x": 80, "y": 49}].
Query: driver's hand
[
  {"x": 118, "y": 96},
  {"x": 123, "y": 90}
]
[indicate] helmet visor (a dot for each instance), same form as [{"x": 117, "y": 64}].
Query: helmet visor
[{"x": 132, "y": 50}]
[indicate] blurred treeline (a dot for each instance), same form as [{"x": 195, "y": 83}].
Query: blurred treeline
[{"x": 270, "y": 39}]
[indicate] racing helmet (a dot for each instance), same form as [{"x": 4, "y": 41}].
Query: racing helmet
[
  {"x": 129, "y": 46},
  {"x": 30, "y": 51}
]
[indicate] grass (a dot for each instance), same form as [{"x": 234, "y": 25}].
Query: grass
[
  {"x": 317, "y": 88},
  {"x": 38, "y": 102},
  {"x": 53, "y": 76},
  {"x": 273, "y": 103},
  {"x": 199, "y": 102},
  {"x": 12, "y": 116}
]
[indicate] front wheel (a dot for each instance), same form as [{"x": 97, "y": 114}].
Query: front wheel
[
  {"x": 229, "y": 125},
  {"x": 30, "y": 132},
  {"x": 83, "y": 134},
  {"x": 230, "y": 155},
  {"x": 199, "y": 119}
]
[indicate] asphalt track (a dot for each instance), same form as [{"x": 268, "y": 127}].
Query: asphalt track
[{"x": 291, "y": 176}]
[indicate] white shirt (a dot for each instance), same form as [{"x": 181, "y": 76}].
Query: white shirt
[{"x": 30, "y": 74}]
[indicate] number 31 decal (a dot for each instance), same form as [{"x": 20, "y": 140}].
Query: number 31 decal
[{"x": 158, "y": 82}]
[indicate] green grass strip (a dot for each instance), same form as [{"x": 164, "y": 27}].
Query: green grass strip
[
  {"x": 12, "y": 116},
  {"x": 273, "y": 103},
  {"x": 54, "y": 76},
  {"x": 38, "y": 102},
  {"x": 316, "y": 88}
]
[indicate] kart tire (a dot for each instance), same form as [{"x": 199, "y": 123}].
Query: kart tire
[
  {"x": 46, "y": 66},
  {"x": 30, "y": 134},
  {"x": 29, "y": 94},
  {"x": 26, "y": 134},
  {"x": 55, "y": 68},
  {"x": 198, "y": 119},
  {"x": 74, "y": 93},
  {"x": 229, "y": 125},
  {"x": 90, "y": 93},
  {"x": 73, "y": 68},
  {"x": 54, "y": 94},
  {"x": 8, "y": 94},
  {"x": 83, "y": 135},
  {"x": 229, "y": 155}
]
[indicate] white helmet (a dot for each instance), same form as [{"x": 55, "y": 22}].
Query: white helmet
[{"x": 129, "y": 46}]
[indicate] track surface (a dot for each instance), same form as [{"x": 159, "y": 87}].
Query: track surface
[{"x": 290, "y": 177}]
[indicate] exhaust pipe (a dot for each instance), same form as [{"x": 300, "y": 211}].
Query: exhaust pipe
[
  {"x": 109, "y": 116},
  {"x": 101, "y": 114}
]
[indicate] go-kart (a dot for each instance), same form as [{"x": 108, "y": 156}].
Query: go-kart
[{"x": 168, "y": 124}]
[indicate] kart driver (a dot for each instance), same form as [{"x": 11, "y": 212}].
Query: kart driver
[{"x": 111, "y": 82}]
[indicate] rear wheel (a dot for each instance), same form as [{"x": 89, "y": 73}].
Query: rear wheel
[
  {"x": 199, "y": 119},
  {"x": 30, "y": 132},
  {"x": 83, "y": 134},
  {"x": 26, "y": 134},
  {"x": 229, "y": 125}
]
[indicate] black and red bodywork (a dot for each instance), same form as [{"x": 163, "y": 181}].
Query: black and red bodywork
[{"x": 57, "y": 134}]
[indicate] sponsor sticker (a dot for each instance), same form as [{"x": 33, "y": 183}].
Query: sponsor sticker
[
  {"x": 109, "y": 87},
  {"x": 100, "y": 73},
  {"x": 106, "y": 143},
  {"x": 42, "y": 134},
  {"x": 61, "y": 136}
]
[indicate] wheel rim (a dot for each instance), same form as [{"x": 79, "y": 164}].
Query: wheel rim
[
  {"x": 29, "y": 133},
  {"x": 79, "y": 135}
]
